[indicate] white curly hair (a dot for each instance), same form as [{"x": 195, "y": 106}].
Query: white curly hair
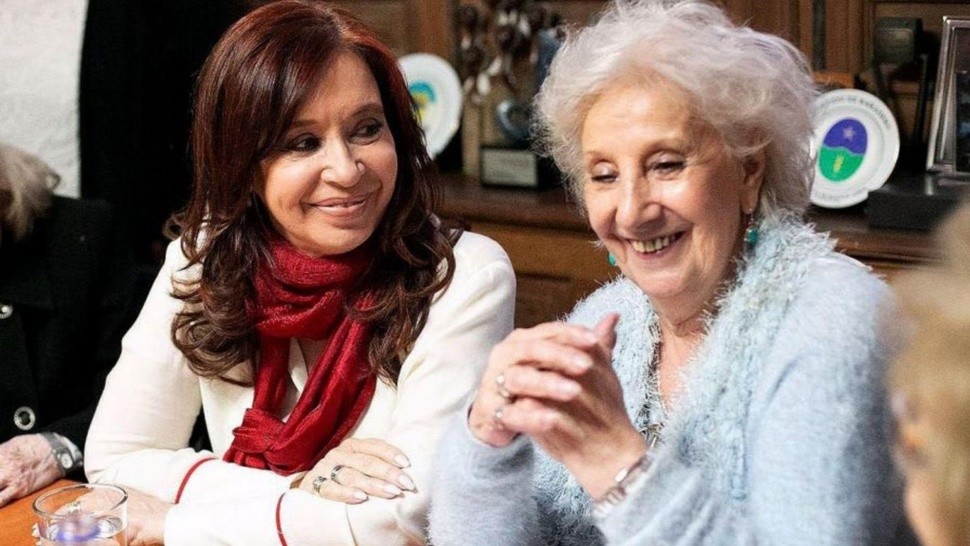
[
  {"x": 26, "y": 185},
  {"x": 754, "y": 89}
]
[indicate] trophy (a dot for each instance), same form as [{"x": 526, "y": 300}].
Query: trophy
[{"x": 506, "y": 47}]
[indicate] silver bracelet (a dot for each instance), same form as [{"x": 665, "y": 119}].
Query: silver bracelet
[{"x": 624, "y": 483}]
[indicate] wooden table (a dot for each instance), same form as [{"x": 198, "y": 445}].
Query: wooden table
[{"x": 17, "y": 518}]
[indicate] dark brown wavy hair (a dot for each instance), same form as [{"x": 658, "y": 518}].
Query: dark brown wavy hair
[{"x": 250, "y": 88}]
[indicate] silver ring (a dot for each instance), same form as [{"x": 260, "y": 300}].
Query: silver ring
[
  {"x": 333, "y": 474},
  {"x": 500, "y": 383},
  {"x": 497, "y": 417},
  {"x": 317, "y": 483}
]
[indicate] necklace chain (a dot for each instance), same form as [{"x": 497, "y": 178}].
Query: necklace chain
[{"x": 653, "y": 432}]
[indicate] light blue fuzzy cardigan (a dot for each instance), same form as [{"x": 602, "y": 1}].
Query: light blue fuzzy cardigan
[{"x": 780, "y": 435}]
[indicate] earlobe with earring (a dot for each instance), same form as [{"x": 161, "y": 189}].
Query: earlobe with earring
[{"x": 611, "y": 259}]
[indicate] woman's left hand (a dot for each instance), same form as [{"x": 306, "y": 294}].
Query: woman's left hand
[
  {"x": 26, "y": 465},
  {"x": 591, "y": 433},
  {"x": 358, "y": 469}
]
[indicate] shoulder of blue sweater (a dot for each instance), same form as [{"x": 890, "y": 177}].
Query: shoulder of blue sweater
[
  {"x": 839, "y": 285},
  {"x": 836, "y": 320}
]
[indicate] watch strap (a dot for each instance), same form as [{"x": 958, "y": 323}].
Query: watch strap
[{"x": 66, "y": 454}]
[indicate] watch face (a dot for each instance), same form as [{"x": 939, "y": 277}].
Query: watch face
[{"x": 65, "y": 460}]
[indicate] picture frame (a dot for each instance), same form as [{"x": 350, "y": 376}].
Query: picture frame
[{"x": 948, "y": 152}]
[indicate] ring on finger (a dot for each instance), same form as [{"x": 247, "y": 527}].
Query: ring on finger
[
  {"x": 317, "y": 483},
  {"x": 502, "y": 390},
  {"x": 333, "y": 474}
]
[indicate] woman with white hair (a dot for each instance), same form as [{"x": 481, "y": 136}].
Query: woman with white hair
[
  {"x": 66, "y": 282},
  {"x": 727, "y": 387}
]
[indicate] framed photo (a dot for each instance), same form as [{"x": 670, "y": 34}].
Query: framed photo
[{"x": 949, "y": 145}]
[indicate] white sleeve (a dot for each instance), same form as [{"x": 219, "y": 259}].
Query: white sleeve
[
  {"x": 141, "y": 428},
  {"x": 438, "y": 375}
]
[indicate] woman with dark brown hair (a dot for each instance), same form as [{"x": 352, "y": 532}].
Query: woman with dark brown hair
[{"x": 315, "y": 306}]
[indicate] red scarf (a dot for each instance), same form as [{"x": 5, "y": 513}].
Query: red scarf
[{"x": 304, "y": 297}]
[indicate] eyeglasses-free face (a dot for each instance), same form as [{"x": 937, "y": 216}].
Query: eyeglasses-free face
[{"x": 327, "y": 189}]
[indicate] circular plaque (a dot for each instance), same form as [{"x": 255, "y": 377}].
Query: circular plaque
[
  {"x": 856, "y": 144},
  {"x": 435, "y": 87}
]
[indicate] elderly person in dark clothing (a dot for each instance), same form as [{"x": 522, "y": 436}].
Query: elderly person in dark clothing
[{"x": 65, "y": 288}]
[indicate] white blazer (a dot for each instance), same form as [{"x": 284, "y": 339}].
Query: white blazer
[{"x": 141, "y": 428}]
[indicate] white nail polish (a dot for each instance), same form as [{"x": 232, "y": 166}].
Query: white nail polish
[
  {"x": 406, "y": 482},
  {"x": 402, "y": 461},
  {"x": 360, "y": 495},
  {"x": 392, "y": 490}
]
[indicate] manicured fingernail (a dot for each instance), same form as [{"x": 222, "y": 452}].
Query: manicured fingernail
[
  {"x": 402, "y": 461},
  {"x": 360, "y": 495},
  {"x": 406, "y": 482},
  {"x": 391, "y": 490}
]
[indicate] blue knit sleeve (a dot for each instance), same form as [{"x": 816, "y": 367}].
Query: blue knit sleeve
[{"x": 483, "y": 495}]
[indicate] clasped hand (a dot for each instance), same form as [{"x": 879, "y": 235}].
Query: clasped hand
[{"x": 555, "y": 382}]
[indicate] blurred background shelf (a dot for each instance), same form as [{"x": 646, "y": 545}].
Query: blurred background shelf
[{"x": 557, "y": 263}]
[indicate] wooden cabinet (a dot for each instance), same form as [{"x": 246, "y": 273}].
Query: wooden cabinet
[
  {"x": 551, "y": 247},
  {"x": 408, "y": 26},
  {"x": 557, "y": 262}
]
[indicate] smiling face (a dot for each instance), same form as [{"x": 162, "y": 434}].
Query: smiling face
[
  {"x": 327, "y": 189},
  {"x": 664, "y": 195}
]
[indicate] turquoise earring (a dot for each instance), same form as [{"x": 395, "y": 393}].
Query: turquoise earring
[
  {"x": 611, "y": 259},
  {"x": 751, "y": 233},
  {"x": 751, "y": 237}
]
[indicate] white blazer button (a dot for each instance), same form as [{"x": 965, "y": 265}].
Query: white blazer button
[
  {"x": 5, "y": 310},
  {"x": 24, "y": 418}
]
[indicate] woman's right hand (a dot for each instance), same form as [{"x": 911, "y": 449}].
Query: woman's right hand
[
  {"x": 357, "y": 469},
  {"x": 27, "y": 464},
  {"x": 537, "y": 364}
]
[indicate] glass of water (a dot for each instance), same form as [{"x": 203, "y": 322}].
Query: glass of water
[{"x": 89, "y": 514}]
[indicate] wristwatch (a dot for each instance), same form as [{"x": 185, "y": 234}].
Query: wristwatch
[{"x": 67, "y": 455}]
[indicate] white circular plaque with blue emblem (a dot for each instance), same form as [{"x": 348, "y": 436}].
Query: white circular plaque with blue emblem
[
  {"x": 435, "y": 87},
  {"x": 856, "y": 144}
]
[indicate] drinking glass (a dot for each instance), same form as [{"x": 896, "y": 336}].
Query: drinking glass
[{"x": 89, "y": 514}]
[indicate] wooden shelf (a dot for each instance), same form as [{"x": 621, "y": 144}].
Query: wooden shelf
[
  {"x": 467, "y": 199},
  {"x": 557, "y": 263},
  {"x": 552, "y": 208}
]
